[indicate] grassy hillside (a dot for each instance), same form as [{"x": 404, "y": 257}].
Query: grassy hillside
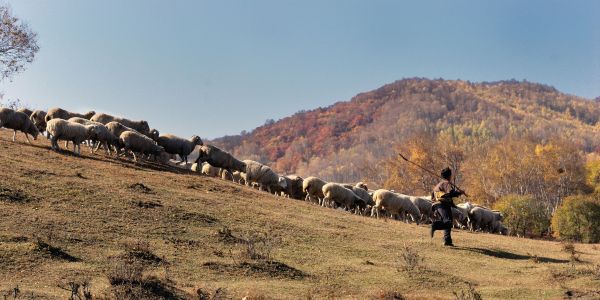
[{"x": 65, "y": 218}]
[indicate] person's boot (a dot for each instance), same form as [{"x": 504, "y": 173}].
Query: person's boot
[{"x": 448, "y": 243}]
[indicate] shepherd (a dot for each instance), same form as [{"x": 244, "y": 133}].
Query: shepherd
[{"x": 443, "y": 196}]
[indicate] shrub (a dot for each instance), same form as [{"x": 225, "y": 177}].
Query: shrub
[
  {"x": 470, "y": 293},
  {"x": 578, "y": 219},
  {"x": 409, "y": 258},
  {"x": 523, "y": 215}
]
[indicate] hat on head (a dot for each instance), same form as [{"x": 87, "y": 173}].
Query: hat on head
[{"x": 446, "y": 173}]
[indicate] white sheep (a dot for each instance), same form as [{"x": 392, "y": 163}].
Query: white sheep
[
  {"x": 64, "y": 130},
  {"x": 140, "y": 126},
  {"x": 313, "y": 187},
  {"x": 180, "y": 146},
  {"x": 424, "y": 205},
  {"x": 482, "y": 218},
  {"x": 237, "y": 177},
  {"x": 264, "y": 176},
  {"x": 335, "y": 193},
  {"x": 226, "y": 175},
  {"x": 16, "y": 120},
  {"x": 465, "y": 209},
  {"x": 395, "y": 204},
  {"x": 137, "y": 142},
  {"x": 209, "y": 170}
]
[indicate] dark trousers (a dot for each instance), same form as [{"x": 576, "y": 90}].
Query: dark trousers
[{"x": 444, "y": 211}]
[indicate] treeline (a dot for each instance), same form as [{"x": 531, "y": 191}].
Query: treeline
[
  {"x": 544, "y": 189},
  {"x": 335, "y": 142}
]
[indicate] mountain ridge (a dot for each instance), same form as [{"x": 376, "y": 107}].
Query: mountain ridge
[{"x": 335, "y": 140}]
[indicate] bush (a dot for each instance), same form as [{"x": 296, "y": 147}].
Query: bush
[
  {"x": 523, "y": 215},
  {"x": 578, "y": 219},
  {"x": 409, "y": 259}
]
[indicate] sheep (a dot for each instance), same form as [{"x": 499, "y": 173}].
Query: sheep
[
  {"x": 211, "y": 171},
  {"x": 226, "y": 175},
  {"x": 424, "y": 204},
  {"x": 64, "y": 130},
  {"x": 16, "y": 120},
  {"x": 458, "y": 218},
  {"x": 294, "y": 187},
  {"x": 101, "y": 135},
  {"x": 313, "y": 187},
  {"x": 362, "y": 185},
  {"x": 264, "y": 176},
  {"x": 26, "y": 111},
  {"x": 237, "y": 177},
  {"x": 360, "y": 190},
  {"x": 196, "y": 167},
  {"x": 141, "y": 126},
  {"x": 59, "y": 113},
  {"x": 336, "y": 193},
  {"x": 117, "y": 128},
  {"x": 483, "y": 218},
  {"x": 394, "y": 204},
  {"x": 137, "y": 142},
  {"x": 153, "y": 134},
  {"x": 465, "y": 208},
  {"x": 176, "y": 145},
  {"x": 38, "y": 117},
  {"x": 219, "y": 158}
]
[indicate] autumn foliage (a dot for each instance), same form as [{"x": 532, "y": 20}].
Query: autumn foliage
[{"x": 511, "y": 143}]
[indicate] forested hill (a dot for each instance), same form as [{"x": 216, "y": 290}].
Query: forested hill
[{"x": 335, "y": 142}]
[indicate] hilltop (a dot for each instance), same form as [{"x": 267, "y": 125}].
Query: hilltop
[
  {"x": 334, "y": 142},
  {"x": 66, "y": 218}
]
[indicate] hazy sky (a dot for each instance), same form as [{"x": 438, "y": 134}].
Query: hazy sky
[{"x": 216, "y": 68}]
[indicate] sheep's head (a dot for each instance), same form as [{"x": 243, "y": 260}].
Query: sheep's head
[
  {"x": 144, "y": 126},
  {"x": 362, "y": 185},
  {"x": 34, "y": 131},
  {"x": 153, "y": 134},
  {"x": 196, "y": 140},
  {"x": 282, "y": 182},
  {"x": 91, "y": 130},
  {"x": 88, "y": 115},
  {"x": 158, "y": 150}
]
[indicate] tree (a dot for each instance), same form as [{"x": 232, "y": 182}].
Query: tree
[
  {"x": 578, "y": 218},
  {"x": 524, "y": 215},
  {"x": 18, "y": 44}
]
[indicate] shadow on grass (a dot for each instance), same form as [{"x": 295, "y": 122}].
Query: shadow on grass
[{"x": 509, "y": 255}]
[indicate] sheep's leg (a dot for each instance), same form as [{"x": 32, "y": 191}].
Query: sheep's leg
[
  {"x": 106, "y": 147},
  {"x": 54, "y": 143},
  {"x": 14, "y": 135},
  {"x": 27, "y": 137}
]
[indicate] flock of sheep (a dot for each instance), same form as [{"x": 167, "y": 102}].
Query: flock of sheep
[{"x": 135, "y": 137}]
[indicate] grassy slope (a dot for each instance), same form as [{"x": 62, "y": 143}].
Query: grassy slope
[{"x": 85, "y": 207}]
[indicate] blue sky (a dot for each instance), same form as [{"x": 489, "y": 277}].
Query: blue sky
[{"x": 216, "y": 68}]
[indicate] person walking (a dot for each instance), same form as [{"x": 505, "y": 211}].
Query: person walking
[{"x": 443, "y": 197}]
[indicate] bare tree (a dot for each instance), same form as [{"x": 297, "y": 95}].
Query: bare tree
[{"x": 18, "y": 44}]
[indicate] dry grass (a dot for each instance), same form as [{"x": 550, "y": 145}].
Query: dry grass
[{"x": 65, "y": 219}]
